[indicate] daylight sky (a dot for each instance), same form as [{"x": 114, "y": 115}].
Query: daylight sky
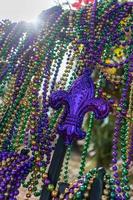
[
  {"x": 17, "y": 10},
  {"x": 25, "y": 10}
]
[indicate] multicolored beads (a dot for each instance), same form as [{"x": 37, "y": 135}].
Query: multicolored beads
[{"x": 36, "y": 63}]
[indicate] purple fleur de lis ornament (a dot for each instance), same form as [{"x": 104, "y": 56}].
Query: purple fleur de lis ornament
[{"x": 78, "y": 100}]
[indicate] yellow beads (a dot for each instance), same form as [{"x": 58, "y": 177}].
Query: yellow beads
[
  {"x": 111, "y": 70},
  {"x": 124, "y": 21},
  {"x": 81, "y": 46},
  {"x": 54, "y": 193},
  {"x": 119, "y": 52},
  {"x": 108, "y": 61}
]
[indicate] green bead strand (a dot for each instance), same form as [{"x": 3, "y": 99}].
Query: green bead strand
[
  {"x": 89, "y": 131},
  {"x": 66, "y": 168}
]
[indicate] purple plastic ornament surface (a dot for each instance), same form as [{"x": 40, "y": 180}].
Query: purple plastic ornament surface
[{"x": 78, "y": 100}]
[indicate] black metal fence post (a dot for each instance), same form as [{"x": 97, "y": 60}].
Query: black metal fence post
[
  {"x": 98, "y": 185},
  {"x": 55, "y": 167}
]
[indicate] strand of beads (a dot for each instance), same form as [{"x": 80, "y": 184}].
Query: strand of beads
[
  {"x": 85, "y": 188},
  {"x": 121, "y": 111},
  {"x": 49, "y": 185},
  {"x": 130, "y": 153},
  {"x": 62, "y": 84},
  {"x": 125, "y": 130},
  {"x": 129, "y": 120},
  {"x": 10, "y": 142},
  {"x": 77, "y": 189},
  {"x": 107, "y": 188},
  {"x": 24, "y": 138},
  {"x": 6, "y": 102},
  {"x": 89, "y": 132},
  {"x": 129, "y": 113},
  {"x": 8, "y": 38},
  {"x": 7, "y": 96},
  {"x": 124, "y": 140},
  {"x": 62, "y": 48},
  {"x": 68, "y": 153}
]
